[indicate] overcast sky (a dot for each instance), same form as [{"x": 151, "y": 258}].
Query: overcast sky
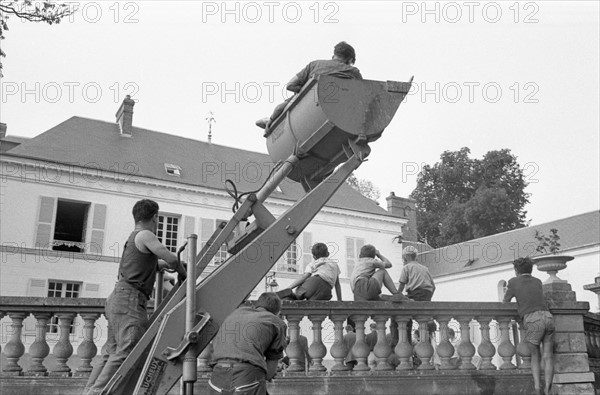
[{"x": 488, "y": 75}]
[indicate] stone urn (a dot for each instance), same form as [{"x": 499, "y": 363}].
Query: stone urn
[{"x": 552, "y": 264}]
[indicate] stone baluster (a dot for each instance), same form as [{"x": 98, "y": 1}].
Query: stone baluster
[
  {"x": 424, "y": 349},
  {"x": 466, "y": 349},
  {"x": 382, "y": 349},
  {"x": 338, "y": 349},
  {"x": 596, "y": 341},
  {"x": 404, "y": 349},
  {"x": 204, "y": 359},
  {"x": 486, "y": 349},
  {"x": 589, "y": 342},
  {"x": 63, "y": 348},
  {"x": 87, "y": 349},
  {"x": 445, "y": 349},
  {"x": 523, "y": 350},
  {"x": 1, "y": 316},
  {"x": 39, "y": 350},
  {"x": 15, "y": 349},
  {"x": 360, "y": 349},
  {"x": 317, "y": 349},
  {"x": 293, "y": 349},
  {"x": 506, "y": 349}
]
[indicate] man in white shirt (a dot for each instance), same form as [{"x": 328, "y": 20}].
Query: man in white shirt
[{"x": 320, "y": 277}]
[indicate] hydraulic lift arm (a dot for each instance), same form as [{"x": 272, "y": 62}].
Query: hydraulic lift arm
[{"x": 321, "y": 160}]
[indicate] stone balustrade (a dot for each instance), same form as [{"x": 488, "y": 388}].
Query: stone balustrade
[
  {"x": 486, "y": 345},
  {"x": 15, "y": 310},
  {"x": 394, "y": 350},
  {"x": 591, "y": 323}
]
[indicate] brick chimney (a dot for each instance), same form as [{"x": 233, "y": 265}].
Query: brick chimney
[
  {"x": 125, "y": 116},
  {"x": 2, "y": 130},
  {"x": 404, "y": 208}
]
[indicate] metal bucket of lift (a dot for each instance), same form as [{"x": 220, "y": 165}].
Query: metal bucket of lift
[{"x": 321, "y": 119}]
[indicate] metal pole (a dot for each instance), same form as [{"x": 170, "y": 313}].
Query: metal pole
[
  {"x": 277, "y": 177},
  {"x": 190, "y": 361}
]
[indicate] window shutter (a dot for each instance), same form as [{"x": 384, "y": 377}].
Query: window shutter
[
  {"x": 45, "y": 222},
  {"x": 91, "y": 290},
  {"x": 306, "y": 249},
  {"x": 189, "y": 226},
  {"x": 37, "y": 287},
  {"x": 350, "y": 255},
  {"x": 98, "y": 225},
  {"x": 207, "y": 228}
]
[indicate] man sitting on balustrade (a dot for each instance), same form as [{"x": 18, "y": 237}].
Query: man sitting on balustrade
[
  {"x": 320, "y": 277},
  {"x": 370, "y": 274},
  {"x": 415, "y": 277},
  {"x": 536, "y": 320}
]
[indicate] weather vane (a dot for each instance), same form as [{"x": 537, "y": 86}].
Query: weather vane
[{"x": 210, "y": 119}]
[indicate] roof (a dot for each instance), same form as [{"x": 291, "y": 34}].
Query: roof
[
  {"x": 9, "y": 142},
  {"x": 576, "y": 232},
  {"x": 99, "y": 145}
]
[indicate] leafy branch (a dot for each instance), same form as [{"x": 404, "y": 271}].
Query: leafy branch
[
  {"x": 32, "y": 11},
  {"x": 547, "y": 243}
]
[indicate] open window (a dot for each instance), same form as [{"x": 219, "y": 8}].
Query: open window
[{"x": 70, "y": 225}]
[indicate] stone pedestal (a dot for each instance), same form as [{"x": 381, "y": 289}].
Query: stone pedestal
[
  {"x": 595, "y": 288},
  {"x": 572, "y": 373}
]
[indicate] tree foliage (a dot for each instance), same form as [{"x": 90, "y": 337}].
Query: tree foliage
[
  {"x": 32, "y": 11},
  {"x": 460, "y": 198},
  {"x": 365, "y": 187}
]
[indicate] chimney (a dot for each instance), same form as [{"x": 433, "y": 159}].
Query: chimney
[
  {"x": 404, "y": 208},
  {"x": 2, "y": 130},
  {"x": 125, "y": 116}
]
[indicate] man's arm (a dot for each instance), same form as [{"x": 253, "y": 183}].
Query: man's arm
[
  {"x": 386, "y": 261},
  {"x": 509, "y": 294},
  {"x": 294, "y": 85},
  {"x": 401, "y": 287},
  {"x": 300, "y": 281},
  {"x": 151, "y": 243},
  {"x": 338, "y": 289},
  {"x": 272, "y": 368}
]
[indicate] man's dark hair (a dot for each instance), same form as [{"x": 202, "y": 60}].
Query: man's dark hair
[
  {"x": 320, "y": 250},
  {"x": 344, "y": 51},
  {"x": 367, "y": 251},
  {"x": 270, "y": 302},
  {"x": 144, "y": 210},
  {"x": 523, "y": 265}
]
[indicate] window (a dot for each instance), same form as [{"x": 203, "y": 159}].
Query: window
[
  {"x": 502, "y": 285},
  {"x": 221, "y": 255},
  {"x": 353, "y": 246},
  {"x": 61, "y": 289},
  {"x": 289, "y": 260},
  {"x": 168, "y": 227},
  {"x": 70, "y": 225},
  {"x": 173, "y": 170}
]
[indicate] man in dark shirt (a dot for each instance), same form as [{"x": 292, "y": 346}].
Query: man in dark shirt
[
  {"x": 536, "y": 319},
  {"x": 126, "y": 306},
  {"x": 340, "y": 65},
  {"x": 248, "y": 347}
]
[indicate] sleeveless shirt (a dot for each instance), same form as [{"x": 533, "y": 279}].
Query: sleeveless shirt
[{"x": 138, "y": 268}]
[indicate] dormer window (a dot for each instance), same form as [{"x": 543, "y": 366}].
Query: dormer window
[{"x": 173, "y": 170}]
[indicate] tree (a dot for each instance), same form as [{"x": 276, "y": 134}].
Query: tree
[
  {"x": 365, "y": 187},
  {"x": 32, "y": 11},
  {"x": 460, "y": 198}
]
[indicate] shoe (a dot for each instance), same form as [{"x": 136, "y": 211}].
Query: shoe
[{"x": 262, "y": 123}]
